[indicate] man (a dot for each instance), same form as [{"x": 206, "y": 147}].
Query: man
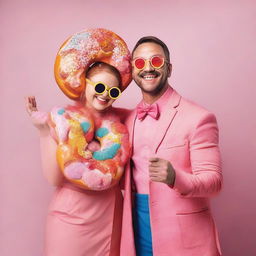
[{"x": 175, "y": 165}]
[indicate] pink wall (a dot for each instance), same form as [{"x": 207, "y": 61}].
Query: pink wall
[{"x": 213, "y": 53}]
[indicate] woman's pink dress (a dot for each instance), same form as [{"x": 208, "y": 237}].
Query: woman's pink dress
[{"x": 84, "y": 223}]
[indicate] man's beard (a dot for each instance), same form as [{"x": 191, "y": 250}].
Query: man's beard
[{"x": 158, "y": 88}]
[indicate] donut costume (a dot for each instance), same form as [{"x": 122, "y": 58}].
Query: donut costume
[
  {"x": 74, "y": 126},
  {"x": 85, "y": 214}
]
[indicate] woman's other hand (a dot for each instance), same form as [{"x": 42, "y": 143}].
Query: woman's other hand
[{"x": 38, "y": 118}]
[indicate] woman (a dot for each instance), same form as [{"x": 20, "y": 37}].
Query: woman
[{"x": 82, "y": 222}]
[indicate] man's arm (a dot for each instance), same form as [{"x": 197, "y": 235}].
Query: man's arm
[{"x": 206, "y": 177}]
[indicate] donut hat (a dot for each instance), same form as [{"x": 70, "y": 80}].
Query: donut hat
[{"x": 81, "y": 50}]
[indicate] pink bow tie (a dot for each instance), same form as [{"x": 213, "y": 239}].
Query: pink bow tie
[{"x": 143, "y": 110}]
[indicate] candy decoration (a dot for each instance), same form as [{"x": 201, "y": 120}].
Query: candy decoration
[{"x": 75, "y": 130}]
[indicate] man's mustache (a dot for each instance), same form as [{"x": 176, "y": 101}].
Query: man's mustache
[{"x": 144, "y": 73}]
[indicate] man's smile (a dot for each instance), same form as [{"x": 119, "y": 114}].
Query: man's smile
[{"x": 149, "y": 76}]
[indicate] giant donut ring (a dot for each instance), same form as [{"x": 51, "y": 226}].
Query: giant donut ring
[
  {"x": 75, "y": 129},
  {"x": 79, "y": 51}
]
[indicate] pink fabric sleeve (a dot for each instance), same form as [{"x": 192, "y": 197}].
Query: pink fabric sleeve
[
  {"x": 53, "y": 134},
  {"x": 123, "y": 115},
  {"x": 206, "y": 177},
  {"x": 50, "y": 166}
]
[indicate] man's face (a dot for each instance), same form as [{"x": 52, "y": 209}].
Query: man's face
[{"x": 151, "y": 80}]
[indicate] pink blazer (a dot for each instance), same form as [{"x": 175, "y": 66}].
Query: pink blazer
[{"x": 181, "y": 220}]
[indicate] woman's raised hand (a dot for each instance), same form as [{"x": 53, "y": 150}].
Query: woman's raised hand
[{"x": 38, "y": 118}]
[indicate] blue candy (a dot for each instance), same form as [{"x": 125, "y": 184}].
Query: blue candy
[
  {"x": 107, "y": 153},
  {"x": 101, "y": 132},
  {"x": 85, "y": 126}
]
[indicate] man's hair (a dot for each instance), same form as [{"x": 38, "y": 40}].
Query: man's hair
[
  {"x": 153, "y": 39},
  {"x": 98, "y": 67}
]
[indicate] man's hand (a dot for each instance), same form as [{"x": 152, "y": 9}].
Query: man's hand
[{"x": 161, "y": 170}]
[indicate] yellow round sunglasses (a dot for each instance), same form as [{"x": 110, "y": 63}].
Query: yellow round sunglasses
[{"x": 100, "y": 88}]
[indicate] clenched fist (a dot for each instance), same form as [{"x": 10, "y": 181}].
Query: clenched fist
[{"x": 161, "y": 170}]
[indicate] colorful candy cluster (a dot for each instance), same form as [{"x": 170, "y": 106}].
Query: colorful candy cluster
[{"x": 90, "y": 155}]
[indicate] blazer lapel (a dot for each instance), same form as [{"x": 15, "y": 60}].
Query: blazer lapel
[{"x": 166, "y": 119}]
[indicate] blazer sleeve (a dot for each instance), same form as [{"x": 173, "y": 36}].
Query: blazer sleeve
[{"x": 205, "y": 180}]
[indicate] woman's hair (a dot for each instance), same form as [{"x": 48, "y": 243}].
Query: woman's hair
[{"x": 98, "y": 67}]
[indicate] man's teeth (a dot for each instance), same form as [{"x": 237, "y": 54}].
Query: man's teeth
[{"x": 149, "y": 77}]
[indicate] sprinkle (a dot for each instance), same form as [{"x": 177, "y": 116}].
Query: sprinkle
[
  {"x": 76, "y": 41},
  {"x": 68, "y": 63}
]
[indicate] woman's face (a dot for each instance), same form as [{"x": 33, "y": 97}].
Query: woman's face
[{"x": 100, "y": 102}]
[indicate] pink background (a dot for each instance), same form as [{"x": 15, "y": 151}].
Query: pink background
[{"x": 212, "y": 46}]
